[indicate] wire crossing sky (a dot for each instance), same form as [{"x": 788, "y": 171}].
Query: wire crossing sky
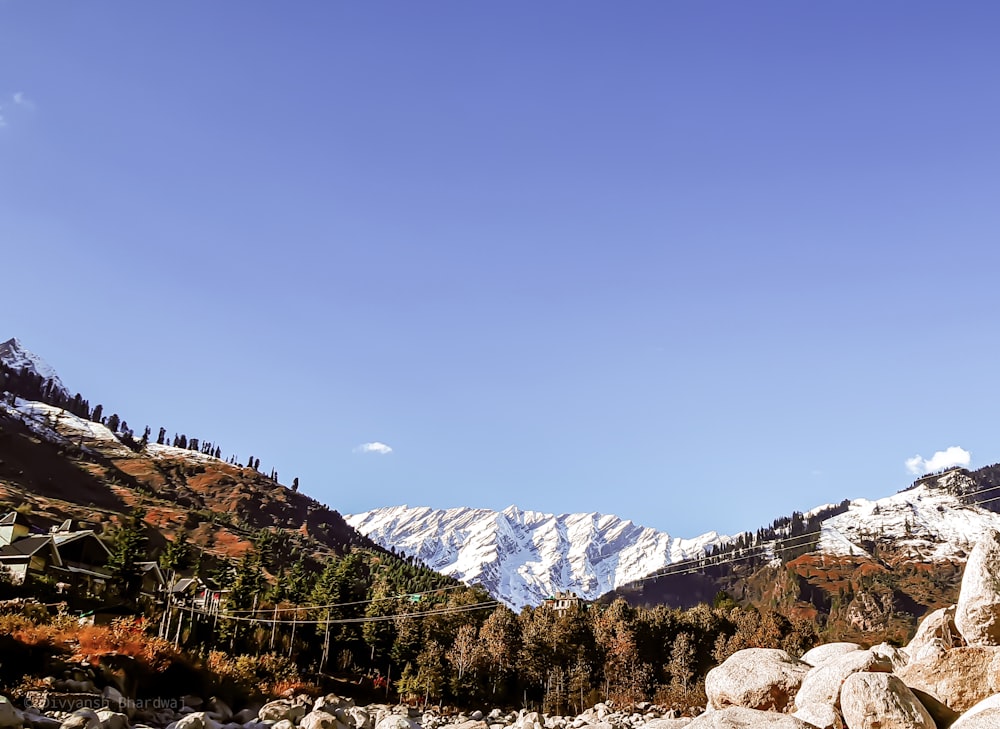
[{"x": 697, "y": 265}]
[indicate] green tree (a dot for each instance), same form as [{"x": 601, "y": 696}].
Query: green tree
[{"x": 128, "y": 549}]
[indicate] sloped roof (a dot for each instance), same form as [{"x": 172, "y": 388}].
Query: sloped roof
[
  {"x": 61, "y": 538},
  {"x": 26, "y": 547},
  {"x": 14, "y": 517}
]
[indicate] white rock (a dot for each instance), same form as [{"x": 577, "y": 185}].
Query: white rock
[
  {"x": 275, "y": 711},
  {"x": 828, "y": 651},
  {"x": 990, "y": 703},
  {"x": 197, "y": 720},
  {"x": 319, "y": 720},
  {"x": 395, "y": 721},
  {"x": 755, "y": 678},
  {"x": 986, "y": 719},
  {"x": 738, "y": 717},
  {"x": 821, "y": 716},
  {"x": 112, "y": 719},
  {"x": 283, "y": 724},
  {"x": 82, "y": 719},
  {"x": 936, "y": 628},
  {"x": 666, "y": 724},
  {"x": 822, "y": 684},
  {"x": 880, "y": 701},
  {"x": 977, "y": 614}
]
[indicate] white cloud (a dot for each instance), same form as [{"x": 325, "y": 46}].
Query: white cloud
[
  {"x": 374, "y": 447},
  {"x": 953, "y": 456},
  {"x": 21, "y": 100}
]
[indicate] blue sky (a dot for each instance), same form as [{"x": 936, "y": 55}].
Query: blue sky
[{"x": 695, "y": 264}]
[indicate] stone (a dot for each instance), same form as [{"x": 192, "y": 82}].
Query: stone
[
  {"x": 755, "y": 678},
  {"x": 990, "y": 703},
  {"x": 977, "y": 614},
  {"x": 738, "y": 717},
  {"x": 822, "y": 653},
  {"x": 890, "y": 653},
  {"x": 958, "y": 677},
  {"x": 283, "y": 724},
  {"x": 82, "y": 719},
  {"x": 218, "y": 710},
  {"x": 942, "y": 714},
  {"x": 196, "y": 720},
  {"x": 988, "y": 719},
  {"x": 275, "y": 711},
  {"x": 40, "y": 721},
  {"x": 398, "y": 722},
  {"x": 936, "y": 628},
  {"x": 821, "y": 716},
  {"x": 10, "y": 716},
  {"x": 112, "y": 719},
  {"x": 360, "y": 718},
  {"x": 666, "y": 724},
  {"x": 880, "y": 701},
  {"x": 244, "y": 715},
  {"x": 318, "y": 720},
  {"x": 822, "y": 684}
]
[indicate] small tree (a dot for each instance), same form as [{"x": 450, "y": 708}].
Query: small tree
[{"x": 128, "y": 548}]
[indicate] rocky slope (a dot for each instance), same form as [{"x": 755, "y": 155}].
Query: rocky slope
[{"x": 524, "y": 557}]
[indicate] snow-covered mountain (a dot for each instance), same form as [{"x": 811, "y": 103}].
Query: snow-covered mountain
[
  {"x": 523, "y": 557},
  {"x": 931, "y": 521},
  {"x": 18, "y": 357}
]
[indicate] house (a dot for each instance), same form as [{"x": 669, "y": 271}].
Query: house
[
  {"x": 25, "y": 555},
  {"x": 563, "y": 601},
  {"x": 201, "y": 594},
  {"x": 70, "y": 557},
  {"x": 84, "y": 557}
]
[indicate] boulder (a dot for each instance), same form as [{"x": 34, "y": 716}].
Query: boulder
[
  {"x": 822, "y": 653},
  {"x": 244, "y": 715},
  {"x": 990, "y": 703},
  {"x": 112, "y": 719},
  {"x": 942, "y": 714},
  {"x": 283, "y": 724},
  {"x": 470, "y": 724},
  {"x": 82, "y": 719},
  {"x": 821, "y": 716},
  {"x": 275, "y": 711},
  {"x": 319, "y": 720},
  {"x": 360, "y": 718},
  {"x": 197, "y": 720},
  {"x": 880, "y": 701},
  {"x": 755, "y": 678},
  {"x": 395, "y": 721},
  {"x": 895, "y": 657},
  {"x": 936, "y": 629},
  {"x": 10, "y": 716},
  {"x": 40, "y": 721},
  {"x": 666, "y": 724},
  {"x": 959, "y": 677},
  {"x": 738, "y": 717},
  {"x": 822, "y": 684},
  {"x": 988, "y": 719},
  {"x": 977, "y": 614},
  {"x": 219, "y": 710}
]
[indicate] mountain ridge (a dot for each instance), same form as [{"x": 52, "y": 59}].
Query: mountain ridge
[{"x": 524, "y": 556}]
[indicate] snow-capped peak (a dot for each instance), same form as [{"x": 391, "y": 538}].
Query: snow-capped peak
[
  {"x": 18, "y": 357},
  {"x": 524, "y": 556}
]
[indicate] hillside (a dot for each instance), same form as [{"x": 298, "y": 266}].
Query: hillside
[
  {"x": 867, "y": 573},
  {"x": 62, "y": 459}
]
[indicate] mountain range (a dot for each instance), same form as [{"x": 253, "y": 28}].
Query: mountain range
[
  {"x": 870, "y": 566},
  {"x": 523, "y": 557}
]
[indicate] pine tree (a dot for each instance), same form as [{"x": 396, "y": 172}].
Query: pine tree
[
  {"x": 128, "y": 548},
  {"x": 162, "y": 437},
  {"x": 96, "y": 414}
]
